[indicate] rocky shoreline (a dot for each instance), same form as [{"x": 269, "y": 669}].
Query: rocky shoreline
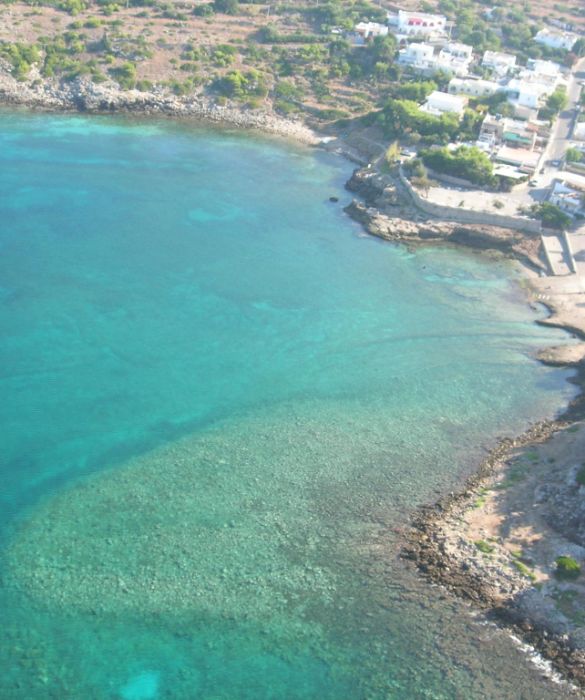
[
  {"x": 514, "y": 588},
  {"x": 438, "y": 541},
  {"x": 475, "y": 542},
  {"x": 82, "y": 95},
  {"x": 385, "y": 211}
]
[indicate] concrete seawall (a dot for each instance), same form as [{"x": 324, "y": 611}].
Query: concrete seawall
[{"x": 468, "y": 216}]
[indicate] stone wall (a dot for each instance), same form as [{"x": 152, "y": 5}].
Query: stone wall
[
  {"x": 450, "y": 180},
  {"x": 469, "y": 216}
]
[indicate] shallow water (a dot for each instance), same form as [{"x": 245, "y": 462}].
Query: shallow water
[{"x": 220, "y": 403}]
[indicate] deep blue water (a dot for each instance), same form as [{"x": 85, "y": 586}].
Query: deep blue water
[{"x": 219, "y": 402}]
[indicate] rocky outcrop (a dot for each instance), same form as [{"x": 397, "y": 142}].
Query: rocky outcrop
[
  {"x": 82, "y": 95},
  {"x": 387, "y": 211},
  {"x": 496, "y": 580},
  {"x": 406, "y": 227}
]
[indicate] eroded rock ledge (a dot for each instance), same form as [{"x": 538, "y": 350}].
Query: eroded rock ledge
[{"x": 386, "y": 212}]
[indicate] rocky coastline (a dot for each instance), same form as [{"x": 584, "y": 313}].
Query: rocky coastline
[
  {"x": 386, "y": 211},
  {"x": 495, "y": 542},
  {"x": 82, "y": 95},
  {"x": 440, "y": 540}
]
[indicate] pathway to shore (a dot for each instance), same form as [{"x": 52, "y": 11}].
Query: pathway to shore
[{"x": 564, "y": 293}]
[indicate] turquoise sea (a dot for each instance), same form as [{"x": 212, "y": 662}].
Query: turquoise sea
[{"x": 220, "y": 403}]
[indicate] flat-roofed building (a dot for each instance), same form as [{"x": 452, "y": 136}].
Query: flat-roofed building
[
  {"x": 510, "y": 132},
  {"x": 443, "y": 103},
  {"x": 423, "y": 57},
  {"x": 526, "y": 161},
  {"x": 568, "y": 196},
  {"x": 417, "y": 54},
  {"x": 556, "y": 38},
  {"x": 417, "y": 24},
  {"x": 474, "y": 87},
  {"x": 526, "y": 94},
  {"x": 500, "y": 63},
  {"x": 459, "y": 50},
  {"x": 370, "y": 30}
]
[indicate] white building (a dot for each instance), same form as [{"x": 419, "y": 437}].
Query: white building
[
  {"x": 500, "y": 63},
  {"x": 474, "y": 87},
  {"x": 556, "y": 39},
  {"x": 568, "y": 197},
  {"x": 544, "y": 68},
  {"x": 439, "y": 103},
  {"x": 456, "y": 58},
  {"x": 522, "y": 93},
  {"x": 545, "y": 73},
  {"x": 454, "y": 48},
  {"x": 422, "y": 56},
  {"x": 369, "y": 30},
  {"x": 417, "y": 24},
  {"x": 419, "y": 55}
]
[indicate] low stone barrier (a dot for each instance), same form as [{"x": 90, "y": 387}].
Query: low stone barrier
[{"x": 469, "y": 216}]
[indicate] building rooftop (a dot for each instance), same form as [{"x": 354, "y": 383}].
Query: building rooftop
[
  {"x": 518, "y": 155},
  {"x": 557, "y": 34},
  {"x": 499, "y": 57},
  {"x": 526, "y": 87},
  {"x": 544, "y": 67},
  {"x": 444, "y": 102}
]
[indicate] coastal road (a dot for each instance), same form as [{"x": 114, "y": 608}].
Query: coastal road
[{"x": 563, "y": 127}]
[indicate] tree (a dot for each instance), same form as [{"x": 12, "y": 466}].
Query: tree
[
  {"x": 574, "y": 155},
  {"x": 392, "y": 153},
  {"x": 558, "y": 100},
  {"x": 579, "y": 48},
  {"x": 551, "y": 215},
  {"x": 227, "y": 7},
  {"x": 403, "y": 117},
  {"x": 467, "y": 162},
  {"x": 417, "y": 91}
]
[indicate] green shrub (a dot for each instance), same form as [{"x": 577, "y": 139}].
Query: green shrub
[
  {"x": 125, "y": 75},
  {"x": 144, "y": 85},
  {"x": 580, "y": 477},
  {"x": 484, "y": 547},
  {"x": 567, "y": 568},
  {"x": 285, "y": 107},
  {"x": 400, "y": 118},
  {"x": 550, "y": 215},
  {"x": 523, "y": 569},
  {"x": 467, "y": 162},
  {"x": 574, "y": 155},
  {"x": 21, "y": 57},
  {"x": 203, "y": 11},
  {"x": 416, "y": 91},
  {"x": 228, "y": 7}
]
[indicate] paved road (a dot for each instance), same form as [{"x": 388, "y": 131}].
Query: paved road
[{"x": 563, "y": 128}]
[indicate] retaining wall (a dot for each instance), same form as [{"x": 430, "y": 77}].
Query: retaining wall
[{"x": 469, "y": 216}]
